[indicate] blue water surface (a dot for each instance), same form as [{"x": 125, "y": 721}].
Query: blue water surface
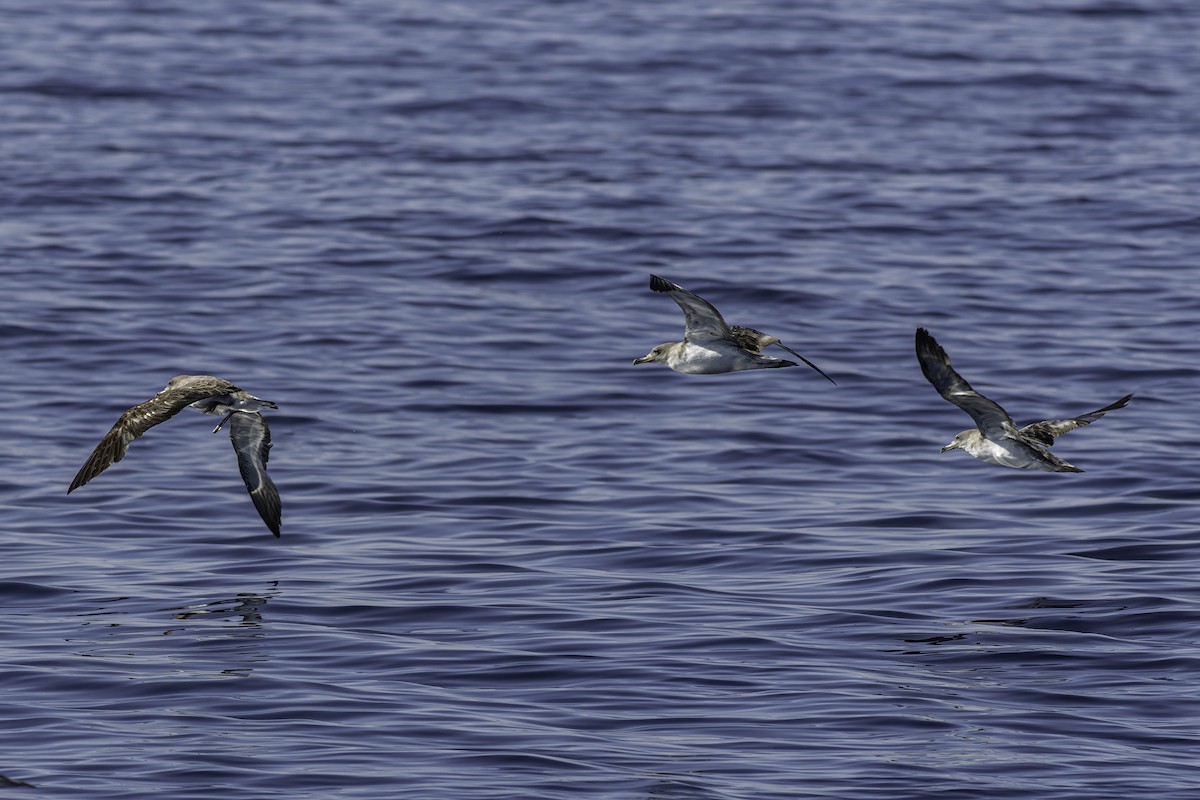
[{"x": 513, "y": 564}]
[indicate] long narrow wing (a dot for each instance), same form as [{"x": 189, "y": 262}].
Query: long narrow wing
[
  {"x": 754, "y": 341},
  {"x": 252, "y": 441},
  {"x": 1047, "y": 431},
  {"x": 702, "y": 322},
  {"x": 992, "y": 420},
  {"x": 139, "y": 419},
  {"x": 1054, "y": 463}
]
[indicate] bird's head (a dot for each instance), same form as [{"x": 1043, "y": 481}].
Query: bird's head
[
  {"x": 958, "y": 441},
  {"x": 659, "y": 353}
]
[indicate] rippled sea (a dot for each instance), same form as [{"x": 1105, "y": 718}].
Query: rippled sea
[{"x": 514, "y": 565}]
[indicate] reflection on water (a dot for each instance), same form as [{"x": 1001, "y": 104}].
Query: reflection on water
[
  {"x": 226, "y": 635},
  {"x": 246, "y": 606}
]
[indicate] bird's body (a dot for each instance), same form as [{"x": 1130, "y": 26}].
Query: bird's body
[
  {"x": 711, "y": 358},
  {"x": 709, "y": 345},
  {"x": 227, "y": 404},
  {"x": 248, "y": 432},
  {"x": 1009, "y": 451},
  {"x": 996, "y": 439}
]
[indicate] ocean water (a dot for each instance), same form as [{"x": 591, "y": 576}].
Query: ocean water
[{"x": 514, "y": 565}]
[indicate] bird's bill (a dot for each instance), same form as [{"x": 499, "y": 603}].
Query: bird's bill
[
  {"x": 644, "y": 359},
  {"x": 951, "y": 446}
]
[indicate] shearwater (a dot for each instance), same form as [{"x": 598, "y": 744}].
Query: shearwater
[
  {"x": 996, "y": 438},
  {"x": 247, "y": 430},
  {"x": 709, "y": 345}
]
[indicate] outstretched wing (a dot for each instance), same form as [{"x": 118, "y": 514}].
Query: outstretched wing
[
  {"x": 754, "y": 341},
  {"x": 1047, "y": 431},
  {"x": 992, "y": 420},
  {"x": 139, "y": 419},
  {"x": 702, "y": 322},
  {"x": 252, "y": 441},
  {"x": 1051, "y": 462}
]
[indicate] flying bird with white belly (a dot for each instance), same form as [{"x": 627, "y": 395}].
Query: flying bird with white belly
[
  {"x": 709, "y": 345},
  {"x": 995, "y": 438}
]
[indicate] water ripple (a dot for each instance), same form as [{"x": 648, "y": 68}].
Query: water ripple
[{"x": 513, "y": 564}]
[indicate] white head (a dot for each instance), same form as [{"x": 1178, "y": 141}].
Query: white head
[
  {"x": 658, "y": 354},
  {"x": 961, "y": 439}
]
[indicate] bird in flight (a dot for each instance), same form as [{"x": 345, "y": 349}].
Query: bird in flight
[
  {"x": 709, "y": 345},
  {"x": 996, "y": 439},
  {"x": 247, "y": 430}
]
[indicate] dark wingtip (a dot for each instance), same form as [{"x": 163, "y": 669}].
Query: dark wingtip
[
  {"x": 272, "y": 516},
  {"x": 922, "y": 340},
  {"x": 271, "y": 520},
  {"x": 927, "y": 345},
  {"x": 661, "y": 284},
  {"x": 1124, "y": 401},
  {"x": 818, "y": 369}
]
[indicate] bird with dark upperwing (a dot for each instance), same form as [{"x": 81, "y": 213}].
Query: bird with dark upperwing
[
  {"x": 996, "y": 439},
  {"x": 247, "y": 430},
  {"x": 709, "y": 346}
]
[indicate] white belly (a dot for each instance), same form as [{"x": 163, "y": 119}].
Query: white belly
[
  {"x": 698, "y": 361},
  {"x": 1005, "y": 453},
  {"x": 694, "y": 359}
]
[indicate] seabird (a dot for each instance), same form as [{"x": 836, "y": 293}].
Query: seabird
[
  {"x": 247, "y": 430},
  {"x": 710, "y": 346},
  {"x": 996, "y": 439}
]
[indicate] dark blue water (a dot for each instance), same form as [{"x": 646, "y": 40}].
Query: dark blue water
[{"x": 514, "y": 565}]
